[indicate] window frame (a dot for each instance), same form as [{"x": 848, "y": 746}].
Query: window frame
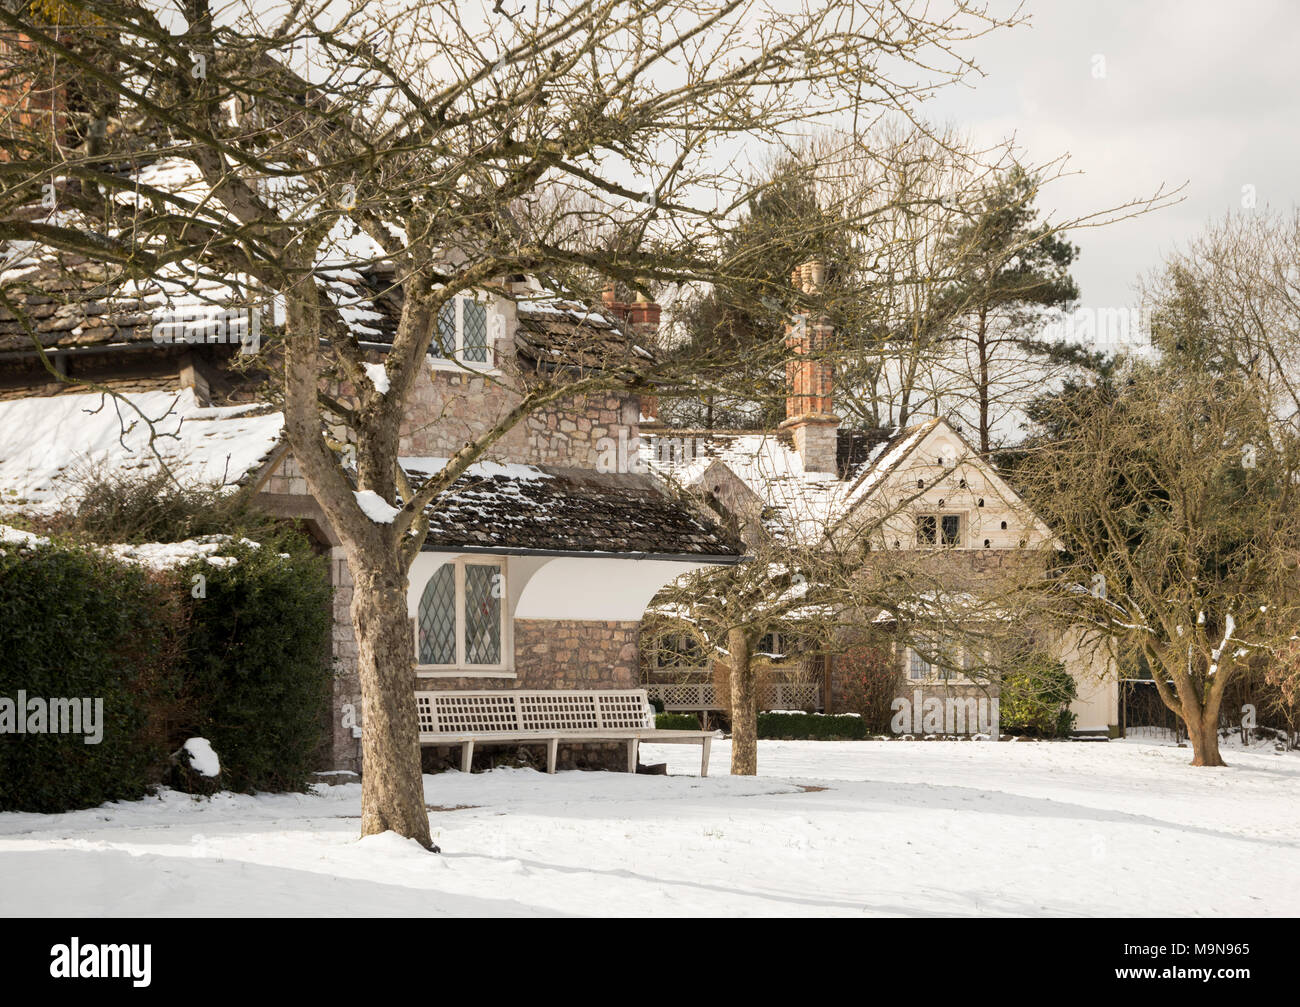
[
  {"x": 955, "y": 676},
  {"x": 457, "y": 361},
  {"x": 504, "y": 668},
  {"x": 963, "y": 529}
]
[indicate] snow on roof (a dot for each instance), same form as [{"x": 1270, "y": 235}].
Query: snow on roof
[
  {"x": 765, "y": 462},
  {"x": 799, "y": 503},
  {"x": 48, "y": 444},
  {"x": 429, "y": 466},
  {"x": 518, "y": 507}
]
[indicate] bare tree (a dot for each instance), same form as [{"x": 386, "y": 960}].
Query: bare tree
[
  {"x": 430, "y": 140},
  {"x": 1176, "y": 502}
]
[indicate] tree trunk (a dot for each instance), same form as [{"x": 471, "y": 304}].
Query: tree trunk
[
  {"x": 744, "y": 707},
  {"x": 392, "y": 790},
  {"x": 1201, "y": 718},
  {"x": 1203, "y": 733},
  {"x": 392, "y": 795}
]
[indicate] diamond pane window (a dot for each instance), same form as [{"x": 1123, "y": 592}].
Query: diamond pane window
[
  {"x": 437, "y": 621},
  {"x": 443, "y": 344},
  {"x": 474, "y": 322},
  {"x": 482, "y": 614}
]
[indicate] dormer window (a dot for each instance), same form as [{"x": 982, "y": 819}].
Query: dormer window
[{"x": 462, "y": 332}]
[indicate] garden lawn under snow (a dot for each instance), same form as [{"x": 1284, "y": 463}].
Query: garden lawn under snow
[{"x": 829, "y": 828}]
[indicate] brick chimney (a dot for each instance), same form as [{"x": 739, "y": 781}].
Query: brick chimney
[
  {"x": 641, "y": 319},
  {"x": 810, "y": 379},
  {"x": 46, "y": 97}
]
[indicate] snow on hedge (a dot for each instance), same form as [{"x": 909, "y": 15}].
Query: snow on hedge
[
  {"x": 155, "y": 555},
  {"x": 16, "y": 536},
  {"x": 203, "y": 760}
]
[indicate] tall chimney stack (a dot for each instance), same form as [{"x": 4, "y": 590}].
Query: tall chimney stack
[
  {"x": 640, "y": 319},
  {"x": 810, "y": 379}
]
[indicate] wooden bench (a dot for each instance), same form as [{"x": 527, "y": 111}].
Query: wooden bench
[{"x": 549, "y": 716}]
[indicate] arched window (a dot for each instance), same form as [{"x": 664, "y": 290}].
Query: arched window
[{"x": 461, "y": 619}]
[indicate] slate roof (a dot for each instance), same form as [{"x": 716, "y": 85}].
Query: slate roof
[
  {"x": 70, "y": 306},
  {"x": 76, "y": 304},
  {"x": 549, "y": 509}
]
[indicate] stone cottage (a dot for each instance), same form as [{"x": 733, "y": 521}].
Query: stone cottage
[
  {"x": 920, "y": 493},
  {"x": 539, "y": 562}
]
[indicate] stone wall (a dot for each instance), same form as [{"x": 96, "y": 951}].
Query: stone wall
[
  {"x": 573, "y": 654},
  {"x": 562, "y": 654},
  {"x": 448, "y": 408}
]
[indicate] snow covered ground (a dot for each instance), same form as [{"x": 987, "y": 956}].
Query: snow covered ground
[{"x": 829, "y": 828}]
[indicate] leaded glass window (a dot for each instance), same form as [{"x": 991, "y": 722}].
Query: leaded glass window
[
  {"x": 474, "y": 323},
  {"x": 437, "y": 618},
  {"x": 443, "y": 346},
  {"x": 482, "y": 613},
  {"x": 461, "y": 332}
]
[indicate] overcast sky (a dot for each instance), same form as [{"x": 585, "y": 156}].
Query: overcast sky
[{"x": 1205, "y": 92}]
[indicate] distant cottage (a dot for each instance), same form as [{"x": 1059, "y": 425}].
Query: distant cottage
[{"x": 809, "y": 475}]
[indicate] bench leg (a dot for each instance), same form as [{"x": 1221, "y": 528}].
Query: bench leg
[
  {"x": 631, "y": 754},
  {"x": 706, "y": 743},
  {"x": 466, "y": 756},
  {"x": 552, "y": 748}
]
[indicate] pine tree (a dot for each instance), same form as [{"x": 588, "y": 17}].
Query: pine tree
[{"x": 1010, "y": 268}]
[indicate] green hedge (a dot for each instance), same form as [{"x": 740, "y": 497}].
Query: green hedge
[
  {"x": 257, "y": 658},
  {"x": 74, "y": 624},
  {"x": 1035, "y": 699},
  {"x": 245, "y": 665},
  {"x": 677, "y": 722},
  {"x": 811, "y": 726}
]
